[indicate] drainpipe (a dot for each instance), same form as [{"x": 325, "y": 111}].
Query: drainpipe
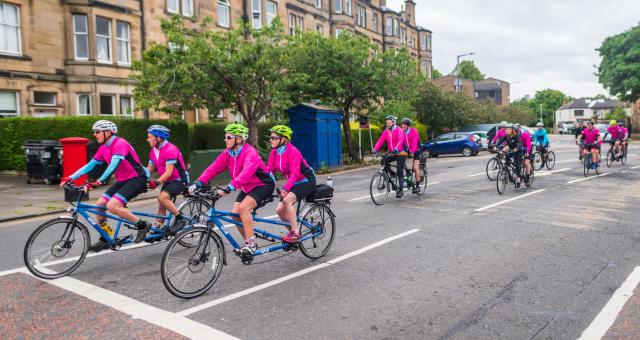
[{"x": 143, "y": 40}]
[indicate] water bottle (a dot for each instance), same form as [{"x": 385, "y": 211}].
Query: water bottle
[{"x": 329, "y": 181}]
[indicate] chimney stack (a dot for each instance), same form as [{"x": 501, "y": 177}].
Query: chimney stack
[{"x": 410, "y": 11}]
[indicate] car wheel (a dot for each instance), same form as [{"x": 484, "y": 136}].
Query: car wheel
[
  {"x": 466, "y": 151},
  {"x": 475, "y": 153},
  {"x": 427, "y": 153}
]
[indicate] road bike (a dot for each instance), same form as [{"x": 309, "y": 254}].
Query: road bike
[
  {"x": 587, "y": 161},
  {"x": 386, "y": 180},
  {"x": 191, "y": 272},
  {"x": 493, "y": 166},
  {"x": 612, "y": 157},
  {"x": 508, "y": 173},
  {"x": 544, "y": 157},
  {"x": 59, "y": 246}
]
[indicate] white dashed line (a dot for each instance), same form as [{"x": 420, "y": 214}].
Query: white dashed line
[
  {"x": 587, "y": 178},
  {"x": 508, "y": 200}
]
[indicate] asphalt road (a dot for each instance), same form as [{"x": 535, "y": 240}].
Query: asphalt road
[{"x": 464, "y": 263}]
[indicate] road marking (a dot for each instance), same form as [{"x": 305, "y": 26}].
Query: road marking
[
  {"x": 252, "y": 290},
  {"x": 138, "y": 310},
  {"x": 568, "y": 161},
  {"x": 547, "y": 173},
  {"x": 635, "y": 167},
  {"x": 508, "y": 200},
  {"x": 382, "y": 193},
  {"x": 480, "y": 173},
  {"x": 607, "y": 316},
  {"x": 586, "y": 178}
]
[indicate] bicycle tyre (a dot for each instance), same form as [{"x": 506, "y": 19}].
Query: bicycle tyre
[
  {"x": 586, "y": 165},
  {"x": 551, "y": 160},
  {"x": 623, "y": 159},
  {"x": 196, "y": 209},
  {"x": 47, "y": 274},
  {"x": 320, "y": 215},
  {"x": 537, "y": 161},
  {"x": 609, "y": 158},
  {"x": 379, "y": 188},
  {"x": 501, "y": 180},
  {"x": 493, "y": 165},
  {"x": 193, "y": 265},
  {"x": 422, "y": 185}
]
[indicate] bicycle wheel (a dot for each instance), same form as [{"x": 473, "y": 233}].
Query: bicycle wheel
[
  {"x": 493, "y": 165},
  {"x": 501, "y": 180},
  {"x": 610, "y": 158},
  {"x": 587, "y": 165},
  {"x": 379, "y": 188},
  {"x": 56, "y": 248},
  {"x": 197, "y": 210},
  {"x": 191, "y": 272},
  {"x": 551, "y": 160},
  {"x": 319, "y": 237},
  {"x": 537, "y": 160},
  {"x": 422, "y": 185},
  {"x": 623, "y": 159}
]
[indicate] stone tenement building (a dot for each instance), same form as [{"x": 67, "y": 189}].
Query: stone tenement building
[{"x": 73, "y": 57}]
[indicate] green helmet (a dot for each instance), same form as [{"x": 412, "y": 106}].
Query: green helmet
[
  {"x": 282, "y": 130},
  {"x": 237, "y": 130}
]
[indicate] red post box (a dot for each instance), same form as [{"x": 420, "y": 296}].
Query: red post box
[{"x": 74, "y": 156}]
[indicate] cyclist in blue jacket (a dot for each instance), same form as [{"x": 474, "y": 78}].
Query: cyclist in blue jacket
[{"x": 540, "y": 137}]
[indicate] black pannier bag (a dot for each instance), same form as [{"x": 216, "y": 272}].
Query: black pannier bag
[
  {"x": 71, "y": 195},
  {"x": 323, "y": 193}
]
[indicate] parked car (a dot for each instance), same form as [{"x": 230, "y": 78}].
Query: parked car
[
  {"x": 484, "y": 141},
  {"x": 566, "y": 128},
  {"x": 465, "y": 143},
  {"x": 603, "y": 129}
]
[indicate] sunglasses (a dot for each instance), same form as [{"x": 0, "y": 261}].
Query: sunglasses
[
  {"x": 275, "y": 138},
  {"x": 96, "y": 132},
  {"x": 229, "y": 137}
]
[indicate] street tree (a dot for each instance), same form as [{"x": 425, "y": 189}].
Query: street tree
[
  {"x": 547, "y": 101},
  {"x": 435, "y": 74},
  {"x": 349, "y": 73},
  {"x": 619, "y": 70},
  {"x": 241, "y": 68},
  {"x": 469, "y": 70},
  {"x": 440, "y": 110}
]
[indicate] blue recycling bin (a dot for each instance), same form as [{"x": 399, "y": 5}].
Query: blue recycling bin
[{"x": 316, "y": 133}]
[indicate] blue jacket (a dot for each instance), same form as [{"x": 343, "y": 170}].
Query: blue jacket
[{"x": 540, "y": 137}]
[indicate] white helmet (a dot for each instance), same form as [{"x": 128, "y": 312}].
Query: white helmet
[
  {"x": 540, "y": 124},
  {"x": 105, "y": 125}
]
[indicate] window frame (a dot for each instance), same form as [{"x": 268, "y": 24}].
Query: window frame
[
  {"x": 182, "y": 11},
  {"x": 374, "y": 22},
  {"x": 55, "y": 100},
  {"x": 423, "y": 42},
  {"x": 269, "y": 16},
  {"x": 17, "y": 96},
  {"x": 338, "y": 6},
  {"x": 347, "y": 7},
  {"x": 388, "y": 29},
  {"x": 318, "y": 4},
  {"x": 127, "y": 42},
  {"x": 18, "y": 26},
  {"x": 109, "y": 41},
  {"x": 76, "y": 34},
  {"x": 113, "y": 104},
  {"x": 255, "y": 11},
  {"x": 227, "y": 5},
  {"x": 78, "y": 95},
  {"x": 320, "y": 28},
  {"x": 339, "y": 32},
  {"x": 131, "y": 106},
  {"x": 176, "y": 11}
]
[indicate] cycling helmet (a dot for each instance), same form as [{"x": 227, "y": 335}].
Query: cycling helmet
[
  {"x": 159, "y": 131},
  {"x": 391, "y": 118},
  {"x": 613, "y": 122},
  {"x": 504, "y": 123},
  {"x": 580, "y": 122},
  {"x": 237, "y": 130},
  {"x": 406, "y": 121},
  {"x": 105, "y": 125},
  {"x": 282, "y": 130},
  {"x": 539, "y": 124},
  {"x": 620, "y": 124},
  {"x": 517, "y": 126}
]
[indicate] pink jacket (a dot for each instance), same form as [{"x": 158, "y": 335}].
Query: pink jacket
[
  {"x": 288, "y": 161},
  {"x": 500, "y": 134},
  {"x": 245, "y": 166},
  {"x": 394, "y": 139},
  {"x": 412, "y": 139},
  {"x": 525, "y": 137}
]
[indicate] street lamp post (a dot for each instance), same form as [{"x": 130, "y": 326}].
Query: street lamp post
[{"x": 458, "y": 70}]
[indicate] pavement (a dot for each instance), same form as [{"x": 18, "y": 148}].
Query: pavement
[{"x": 559, "y": 260}]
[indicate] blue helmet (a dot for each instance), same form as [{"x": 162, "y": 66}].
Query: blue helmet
[{"x": 159, "y": 131}]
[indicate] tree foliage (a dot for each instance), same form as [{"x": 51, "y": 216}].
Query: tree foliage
[
  {"x": 469, "y": 70},
  {"x": 435, "y": 74},
  {"x": 547, "y": 101},
  {"x": 619, "y": 70}
]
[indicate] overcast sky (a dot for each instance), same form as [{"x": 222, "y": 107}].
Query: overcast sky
[{"x": 537, "y": 43}]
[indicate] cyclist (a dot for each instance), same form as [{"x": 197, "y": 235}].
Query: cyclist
[
  {"x": 131, "y": 179},
  {"x": 625, "y": 136},
  {"x": 616, "y": 135},
  {"x": 249, "y": 175},
  {"x": 166, "y": 159},
  {"x": 500, "y": 133},
  {"x": 393, "y": 136},
  {"x": 512, "y": 141},
  {"x": 592, "y": 141},
  {"x": 412, "y": 142},
  {"x": 577, "y": 134},
  {"x": 525, "y": 137},
  {"x": 301, "y": 180},
  {"x": 540, "y": 137}
]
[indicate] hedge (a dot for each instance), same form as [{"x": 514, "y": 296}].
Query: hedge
[
  {"x": 14, "y": 131},
  {"x": 206, "y": 136},
  {"x": 375, "y": 133}
]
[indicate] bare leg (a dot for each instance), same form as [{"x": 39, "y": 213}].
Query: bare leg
[{"x": 287, "y": 212}]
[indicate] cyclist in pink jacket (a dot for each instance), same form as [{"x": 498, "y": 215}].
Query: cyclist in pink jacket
[
  {"x": 394, "y": 137},
  {"x": 301, "y": 180},
  {"x": 249, "y": 176},
  {"x": 500, "y": 133},
  {"x": 412, "y": 141},
  {"x": 525, "y": 138}
]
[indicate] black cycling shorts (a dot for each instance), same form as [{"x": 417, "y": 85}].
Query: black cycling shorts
[
  {"x": 260, "y": 194},
  {"x": 417, "y": 155},
  {"x": 173, "y": 188},
  {"x": 125, "y": 191},
  {"x": 304, "y": 189}
]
